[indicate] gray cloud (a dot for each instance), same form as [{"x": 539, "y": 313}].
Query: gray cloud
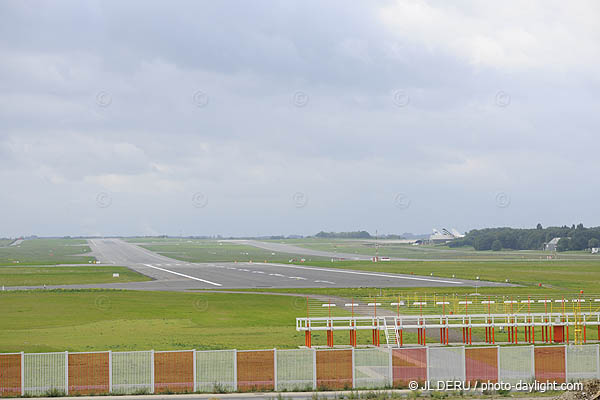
[{"x": 447, "y": 105}]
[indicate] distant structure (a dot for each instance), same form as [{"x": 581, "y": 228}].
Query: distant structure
[
  {"x": 551, "y": 245},
  {"x": 445, "y": 235}
]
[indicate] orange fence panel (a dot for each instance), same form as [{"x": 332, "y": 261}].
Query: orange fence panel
[
  {"x": 88, "y": 373},
  {"x": 334, "y": 369},
  {"x": 550, "y": 364},
  {"x": 255, "y": 370},
  {"x": 409, "y": 365},
  {"x": 481, "y": 364},
  {"x": 174, "y": 371},
  {"x": 10, "y": 375}
]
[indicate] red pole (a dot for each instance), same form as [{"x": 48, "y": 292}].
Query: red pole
[{"x": 401, "y": 341}]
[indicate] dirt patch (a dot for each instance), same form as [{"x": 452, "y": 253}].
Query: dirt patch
[{"x": 591, "y": 391}]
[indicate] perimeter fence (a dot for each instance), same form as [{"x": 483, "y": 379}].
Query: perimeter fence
[{"x": 140, "y": 372}]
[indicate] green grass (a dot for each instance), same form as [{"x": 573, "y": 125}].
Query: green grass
[
  {"x": 214, "y": 251},
  {"x": 5, "y": 242},
  {"x": 46, "y": 252},
  {"x": 39, "y": 321},
  {"x": 557, "y": 276},
  {"x": 429, "y": 252},
  {"x": 38, "y": 276}
]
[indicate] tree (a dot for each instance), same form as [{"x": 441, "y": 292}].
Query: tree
[
  {"x": 593, "y": 242},
  {"x": 539, "y": 227},
  {"x": 496, "y": 245},
  {"x": 563, "y": 244}
]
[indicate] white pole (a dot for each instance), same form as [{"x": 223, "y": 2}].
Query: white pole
[
  {"x": 152, "y": 370},
  {"x": 498, "y": 363},
  {"x": 110, "y": 369},
  {"x": 598, "y": 360},
  {"x": 275, "y": 369},
  {"x": 391, "y": 366},
  {"x": 427, "y": 358},
  {"x": 314, "y": 369},
  {"x": 235, "y": 381},
  {"x": 194, "y": 361},
  {"x": 22, "y": 374},
  {"x": 464, "y": 363},
  {"x": 353, "y": 373},
  {"x": 66, "y": 372},
  {"x": 532, "y": 361},
  {"x": 566, "y": 363}
]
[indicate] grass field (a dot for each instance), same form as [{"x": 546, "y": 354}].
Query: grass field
[
  {"x": 46, "y": 252},
  {"x": 129, "y": 320},
  {"x": 428, "y": 252},
  {"x": 39, "y": 321},
  {"x": 38, "y": 276},
  {"x": 5, "y": 242},
  {"x": 214, "y": 251},
  {"x": 555, "y": 275}
]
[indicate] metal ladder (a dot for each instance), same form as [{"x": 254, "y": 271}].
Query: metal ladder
[{"x": 391, "y": 334}]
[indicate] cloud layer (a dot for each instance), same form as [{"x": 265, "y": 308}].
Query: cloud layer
[{"x": 215, "y": 118}]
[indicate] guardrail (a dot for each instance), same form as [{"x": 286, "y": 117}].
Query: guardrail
[{"x": 553, "y": 327}]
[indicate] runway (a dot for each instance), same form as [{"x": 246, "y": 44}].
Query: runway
[{"x": 174, "y": 275}]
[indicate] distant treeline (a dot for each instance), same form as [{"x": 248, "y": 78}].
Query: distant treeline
[{"x": 571, "y": 238}]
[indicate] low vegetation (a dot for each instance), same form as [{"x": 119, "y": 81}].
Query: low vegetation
[{"x": 39, "y": 276}]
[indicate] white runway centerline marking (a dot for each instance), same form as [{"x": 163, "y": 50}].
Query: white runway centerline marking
[
  {"x": 184, "y": 275},
  {"x": 331, "y": 283}
]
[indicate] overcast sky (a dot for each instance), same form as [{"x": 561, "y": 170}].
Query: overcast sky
[{"x": 256, "y": 117}]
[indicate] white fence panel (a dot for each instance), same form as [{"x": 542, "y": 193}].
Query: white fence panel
[
  {"x": 582, "y": 362},
  {"x": 446, "y": 363},
  {"x": 372, "y": 368},
  {"x": 215, "y": 371},
  {"x": 516, "y": 364},
  {"x": 132, "y": 372},
  {"x": 294, "y": 370},
  {"x": 44, "y": 372}
]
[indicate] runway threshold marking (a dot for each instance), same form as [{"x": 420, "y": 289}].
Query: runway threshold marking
[
  {"x": 341, "y": 271},
  {"x": 184, "y": 275}
]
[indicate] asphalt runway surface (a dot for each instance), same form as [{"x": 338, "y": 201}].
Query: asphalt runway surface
[{"x": 173, "y": 275}]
